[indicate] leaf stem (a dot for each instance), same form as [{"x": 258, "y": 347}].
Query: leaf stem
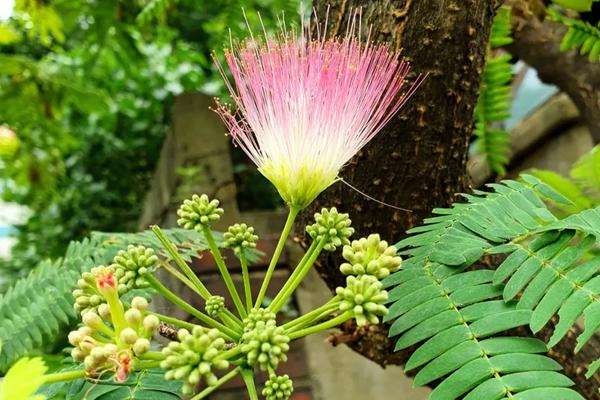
[
  {"x": 248, "y": 377},
  {"x": 224, "y": 379},
  {"x": 246, "y": 279},
  {"x": 214, "y": 249},
  {"x": 172, "y": 250},
  {"x": 298, "y": 275},
  {"x": 313, "y": 316},
  {"x": 179, "y": 302},
  {"x": 173, "y": 321},
  {"x": 153, "y": 356},
  {"x": 332, "y": 323},
  {"x": 289, "y": 223},
  {"x": 64, "y": 376}
]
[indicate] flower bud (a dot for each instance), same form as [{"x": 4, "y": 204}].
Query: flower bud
[
  {"x": 198, "y": 211},
  {"x": 214, "y": 306},
  {"x": 240, "y": 236},
  {"x": 140, "y": 303},
  {"x": 92, "y": 320},
  {"x": 151, "y": 323},
  {"x": 104, "y": 311},
  {"x": 141, "y": 346},
  {"x": 192, "y": 357},
  {"x": 263, "y": 342},
  {"x": 278, "y": 388},
  {"x": 133, "y": 316},
  {"x": 128, "y": 336},
  {"x": 370, "y": 256},
  {"x": 365, "y": 297},
  {"x": 332, "y": 227}
]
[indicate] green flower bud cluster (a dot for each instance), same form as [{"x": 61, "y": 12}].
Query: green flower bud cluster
[
  {"x": 102, "y": 349},
  {"x": 370, "y": 256},
  {"x": 364, "y": 297},
  {"x": 333, "y": 226},
  {"x": 240, "y": 236},
  {"x": 278, "y": 388},
  {"x": 87, "y": 296},
  {"x": 214, "y": 306},
  {"x": 130, "y": 265},
  {"x": 198, "y": 211},
  {"x": 263, "y": 342},
  {"x": 194, "y": 356}
]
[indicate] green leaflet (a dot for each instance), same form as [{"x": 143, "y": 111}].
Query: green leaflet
[
  {"x": 453, "y": 315},
  {"x": 493, "y": 105},
  {"x": 581, "y": 35},
  {"x": 146, "y": 385}
]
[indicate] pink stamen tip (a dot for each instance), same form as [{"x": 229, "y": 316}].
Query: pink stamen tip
[
  {"x": 123, "y": 367},
  {"x": 106, "y": 280}
]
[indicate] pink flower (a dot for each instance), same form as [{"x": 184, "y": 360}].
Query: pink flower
[{"x": 306, "y": 106}]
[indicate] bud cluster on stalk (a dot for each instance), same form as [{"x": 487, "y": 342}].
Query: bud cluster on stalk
[
  {"x": 194, "y": 356},
  {"x": 333, "y": 227},
  {"x": 278, "y": 387},
  {"x": 264, "y": 343},
  {"x": 126, "y": 273},
  {"x": 198, "y": 211},
  {"x": 369, "y": 260},
  {"x": 103, "y": 345}
]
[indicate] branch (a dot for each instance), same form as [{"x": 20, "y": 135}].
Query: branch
[{"x": 537, "y": 42}]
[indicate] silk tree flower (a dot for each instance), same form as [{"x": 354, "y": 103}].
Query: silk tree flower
[{"x": 305, "y": 106}]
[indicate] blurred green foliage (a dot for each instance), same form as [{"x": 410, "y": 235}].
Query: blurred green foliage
[{"x": 87, "y": 87}]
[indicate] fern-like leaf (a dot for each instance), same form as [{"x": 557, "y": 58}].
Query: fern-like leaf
[
  {"x": 581, "y": 36},
  {"x": 453, "y": 314},
  {"x": 493, "y": 105}
]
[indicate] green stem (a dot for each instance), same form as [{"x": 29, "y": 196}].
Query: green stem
[
  {"x": 220, "y": 382},
  {"x": 246, "y": 279},
  {"x": 181, "y": 277},
  {"x": 229, "y": 354},
  {"x": 141, "y": 365},
  {"x": 172, "y": 250},
  {"x": 179, "y": 302},
  {"x": 289, "y": 223},
  {"x": 248, "y": 377},
  {"x": 228, "y": 319},
  {"x": 117, "y": 312},
  {"x": 153, "y": 355},
  {"x": 64, "y": 376},
  {"x": 174, "y": 321},
  {"x": 214, "y": 249},
  {"x": 297, "y": 276},
  {"x": 332, "y": 323},
  {"x": 294, "y": 273},
  {"x": 313, "y": 316}
]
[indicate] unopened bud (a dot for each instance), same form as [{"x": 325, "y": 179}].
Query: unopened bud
[
  {"x": 128, "y": 336},
  {"x": 140, "y": 303},
  {"x": 141, "y": 346},
  {"x": 151, "y": 323},
  {"x": 133, "y": 316}
]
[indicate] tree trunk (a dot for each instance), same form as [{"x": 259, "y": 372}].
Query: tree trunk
[{"x": 419, "y": 161}]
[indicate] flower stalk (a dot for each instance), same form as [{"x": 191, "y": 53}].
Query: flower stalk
[{"x": 289, "y": 224}]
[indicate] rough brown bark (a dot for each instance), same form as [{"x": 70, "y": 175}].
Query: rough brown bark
[
  {"x": 419, "y": 161},
  {"x": 537, "y": 42}
]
